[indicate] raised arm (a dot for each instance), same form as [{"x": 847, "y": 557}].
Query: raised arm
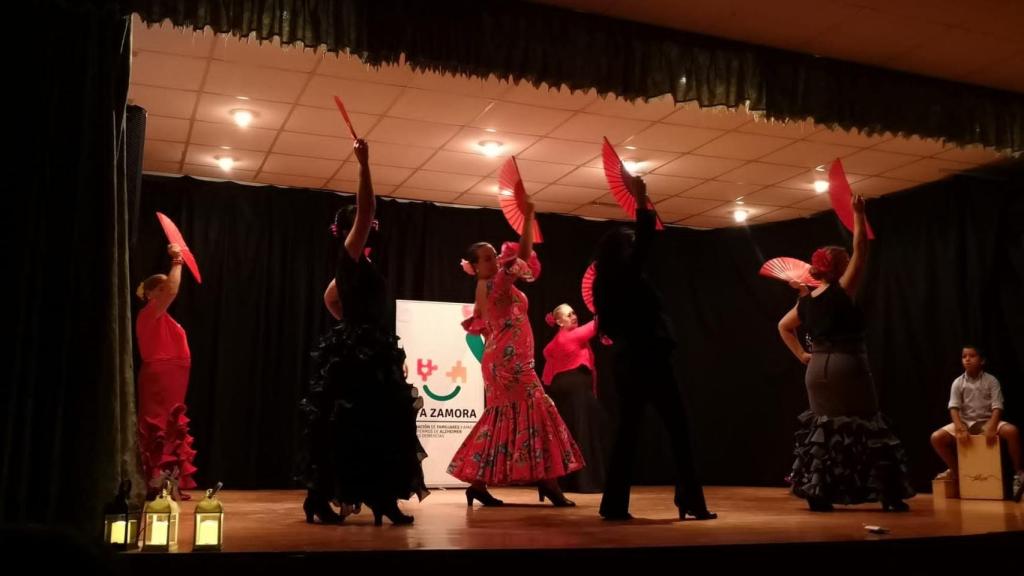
[
  {"x": 365, "y": 205},
  {"x": 850, "y": 280}
]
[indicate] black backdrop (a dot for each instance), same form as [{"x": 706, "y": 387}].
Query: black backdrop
[{"x": 948, "y": 267}]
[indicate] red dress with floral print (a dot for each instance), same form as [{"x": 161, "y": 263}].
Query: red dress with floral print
[{"x": 520, "y": 438}]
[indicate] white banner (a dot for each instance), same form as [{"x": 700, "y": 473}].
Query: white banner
[{"x": 443, "y": 364}]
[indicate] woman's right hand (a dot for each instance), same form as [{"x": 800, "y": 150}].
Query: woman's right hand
[
  {"x": 805, "y": 358},
  {"x": 639, "y": 189},
  {"x": 857, "y": 203},
  {"x": 362, "y": 151},
  {"x": 528, "y": 208},
  {"x": 174, "y": 251}
]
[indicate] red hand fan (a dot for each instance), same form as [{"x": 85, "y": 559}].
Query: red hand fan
[
  {"x": 174, "y": 237},
  {"x": 344, "y": 115},
  {"x": 513, "y": 204},
  {"x": 839, "y": 193},
  {"x": 615, "y": 173},
  {"x": 789, "y": 270},
  {"x": 587, "y": 287}
]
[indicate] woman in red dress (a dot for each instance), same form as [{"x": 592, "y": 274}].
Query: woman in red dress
[
  {"x": 520, "y": 438},
  {"x": 164, "y": 440}
]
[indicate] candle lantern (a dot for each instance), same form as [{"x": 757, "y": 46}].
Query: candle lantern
[
  {"x": 161, "y": 524},
  {"x": 209, "y": 525}
]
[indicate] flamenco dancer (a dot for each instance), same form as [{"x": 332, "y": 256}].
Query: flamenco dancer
[
  {"x": 845, "y": 452},
  {"x": 632, "y": 316},
  {"x": 571, "y": 381},
  {"x": 520, "y": 438},
  {"x": 360, "y": 411},
  {"x": 164, "y": 440}
]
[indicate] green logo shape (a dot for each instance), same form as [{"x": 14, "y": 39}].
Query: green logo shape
[
  {"x": 442, "y": 397},
  {"x": 476, "y": 345}
]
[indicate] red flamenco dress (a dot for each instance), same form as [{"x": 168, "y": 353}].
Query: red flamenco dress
[
  {"x": 520, "y": 438},
  {"x": 164, "y": 440}
]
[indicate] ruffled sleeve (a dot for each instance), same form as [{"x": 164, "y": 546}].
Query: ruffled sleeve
[
  {"x": 475, "y": 325},
  {"x": 515, "y": 267}
]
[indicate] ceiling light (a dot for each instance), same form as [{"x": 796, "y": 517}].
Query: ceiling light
[
  {"x": 242, "y": 117},
  {"x": 740, "y": 215},
  {"x": 505, "y": 192},
  {"x": 821, "y": 186},
  {"x": 491, "y": 130},
  {"x": 632, "y": 166},
  {"x": 490, "y": 148},
  {"x": 226, "y": 163}
]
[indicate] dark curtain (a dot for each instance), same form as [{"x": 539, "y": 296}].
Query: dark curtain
[
  {"x": 545, "y": 44},
  {"x": 948, "y": 267},
  {"x": 67, "y": 397}
]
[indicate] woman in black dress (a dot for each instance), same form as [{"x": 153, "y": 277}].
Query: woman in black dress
[
  {"x": 845, "y": 452},
  {"x": 360, "y": 411}
]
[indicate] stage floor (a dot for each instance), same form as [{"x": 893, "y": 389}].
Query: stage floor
[{"x": 272, "y": 521}]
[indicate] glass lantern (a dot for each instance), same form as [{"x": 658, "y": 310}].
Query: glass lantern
[
  {"x": 161, "y": 524},
  {"x": 121, "y": 520},
  {"x": 209, "y": 523}
]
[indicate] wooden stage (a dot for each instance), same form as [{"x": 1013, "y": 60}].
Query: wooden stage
[{"x": 264, "y": 529}]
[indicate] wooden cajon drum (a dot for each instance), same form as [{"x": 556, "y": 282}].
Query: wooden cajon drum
[{"x": 981, "y": 469}]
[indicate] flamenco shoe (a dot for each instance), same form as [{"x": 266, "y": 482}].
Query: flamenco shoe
[
  {"x": 392, "y": 513},
  {"x": 557, "y": 498},
  {"x": 696, "y": 515},
  {"x": 895, "y": 506},
  {"x": 482, "y": 496},
  {"x": 320, "y": 508},
  {"x": 615, "y": 516},
  {"x": 819, "y": 505}
]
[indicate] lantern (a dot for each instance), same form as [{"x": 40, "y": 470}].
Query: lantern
[
  {"x": 121, "y": 520},
  {"x": 209, "y": 525},
  {"x": 161, "y": 521}
]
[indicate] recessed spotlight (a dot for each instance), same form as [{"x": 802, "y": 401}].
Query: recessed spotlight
[
  {"x": 633, "y": 166},
  {"x": 490, "y": 148},
  {"x": 242, "y": 117},
  {"x": 740, "y": 215},
  {"x": 226, "y": 163},
  {"x": 821, "y": 186}
]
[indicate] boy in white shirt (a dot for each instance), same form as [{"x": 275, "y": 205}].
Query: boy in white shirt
[{"x": 976, "y": 407}]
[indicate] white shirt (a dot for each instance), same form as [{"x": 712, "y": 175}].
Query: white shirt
[{"x": 976, "y": 398}]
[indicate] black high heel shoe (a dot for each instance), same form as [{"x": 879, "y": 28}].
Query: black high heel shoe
[
  {"x": 320, "y": 508},
  {"x": 482, "y": 496},
  {"x": 697, "y": 514},
  {"x": 392, "y": 512},
  {"x": 895, "y": 506},
  {"x": 819, "y": 505},
  {"x": 557, "y": 498},
  {"x": 616, "y": 516}
]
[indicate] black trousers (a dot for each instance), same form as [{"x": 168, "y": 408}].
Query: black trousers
[{"x": 644, "y": 374}]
